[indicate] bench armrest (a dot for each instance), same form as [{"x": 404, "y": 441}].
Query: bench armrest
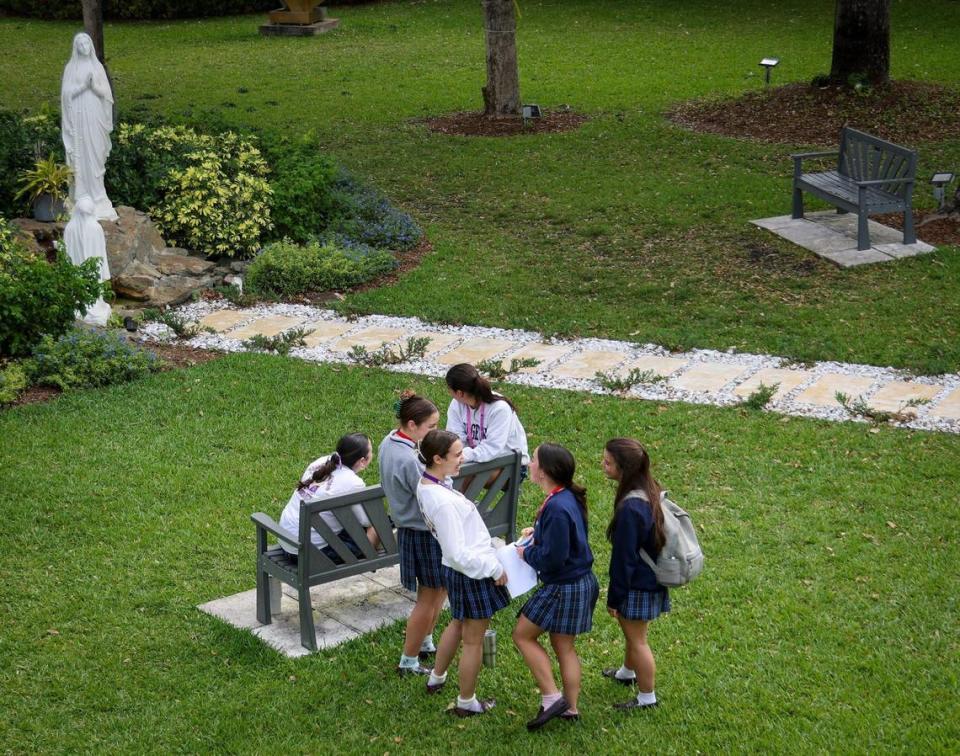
[
  {"x": 877, "y": 182},
  {"x": 803, "y": 155},
  {"x": 263, "y": 522}
]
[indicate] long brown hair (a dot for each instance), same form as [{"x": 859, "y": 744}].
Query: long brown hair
[
  {"x": 350, "y": 449},
  {"x": 412, "y": 408},
  {"x": 558, "y": 464},
  {"x": 465, "y": 377},
  {"x": 634, "y": 464}
]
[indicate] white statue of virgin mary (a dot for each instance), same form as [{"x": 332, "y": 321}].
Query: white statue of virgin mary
[
  {"x": 86, "y": 105},
  {"x": 84, "y": 238}
]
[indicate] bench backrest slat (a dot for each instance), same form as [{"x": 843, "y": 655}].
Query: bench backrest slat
[
  {"x": 497, "y": 505},
  {"x": 864, "y": 157}
]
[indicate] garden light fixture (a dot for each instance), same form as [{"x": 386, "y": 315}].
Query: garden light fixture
[
  {"x": 768, "y": 64},
  {"x": 940, "y": 182},
  {"x": 531, "y": 111}
]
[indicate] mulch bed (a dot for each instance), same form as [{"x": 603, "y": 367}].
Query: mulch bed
[
  {"x": 905, "y": 112},
  {"x": 175, "y": 355},
  {"x": 477, "y": 124},
  {"x": 940, "y": 232}
]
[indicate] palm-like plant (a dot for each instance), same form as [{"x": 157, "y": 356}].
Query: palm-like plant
[{"x": 46, "y": 177}]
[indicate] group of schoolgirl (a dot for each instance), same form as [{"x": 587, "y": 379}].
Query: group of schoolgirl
[{"x": 446, "y": 551}]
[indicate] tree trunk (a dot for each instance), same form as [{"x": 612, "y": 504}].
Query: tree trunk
[
  {"x": 501, "y": 95},
  {"x": 93, "y": 24},
  {"x": 861, "y": 41}
]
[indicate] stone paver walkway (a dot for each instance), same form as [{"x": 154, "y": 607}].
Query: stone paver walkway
[
  {"x": 697, "y": 376},
  {"x": 833, "y": 236}
]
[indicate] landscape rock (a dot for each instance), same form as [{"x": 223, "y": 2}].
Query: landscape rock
[
  {"x": 179, "y": 262},
  {"x": 133, "y": 236},
  {"x": 171, "y": 290}
]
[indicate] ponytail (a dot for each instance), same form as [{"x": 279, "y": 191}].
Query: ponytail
[
  {"x": 350, "y": 450},
  {"x": 466, "y": 378}
]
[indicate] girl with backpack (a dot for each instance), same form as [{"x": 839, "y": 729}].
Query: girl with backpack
[
  {"x": 419, "y": 551},
  {"x": 472, "y": 574},
  {"x": 634, "y": 596},
  {"x": 563, "y": 604}
]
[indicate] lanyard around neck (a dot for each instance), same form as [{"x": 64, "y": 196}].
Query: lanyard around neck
[
  {"x": 550, "y": 495},
  {"x": 471, "y": 441},
  {"x": 439, "y": 482}
]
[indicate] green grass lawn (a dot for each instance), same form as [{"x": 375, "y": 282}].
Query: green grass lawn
[
  {"x": 826, "y": 619},
  {"x": 629, "y": 227}
]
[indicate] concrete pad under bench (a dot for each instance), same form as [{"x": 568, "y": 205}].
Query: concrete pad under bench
[
  {"x": 344, "y": 609},
  {"x": 833, "y": 236}
]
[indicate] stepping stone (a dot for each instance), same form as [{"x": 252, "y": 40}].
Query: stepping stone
[
  {"x": 475, "y": 350},
  {"x": 948, "y": 407},
  {"x": 223, "y": 320},
  {"x": 788, "y": 380},
  {"x": 271, "y": 326},
  {"x": 438, "y": 341},
  {"x": 660, "y": 365},
  {"x": 324, "y": 330},
  {"x": 708, "y": 376},
  {"x": 894, "y": 396},
  {"x": 546, "y": 353},
  {"x": 588, "y": 363},
  {"x": 370, "y": 339},
  {"x": 823, "y": 391}
]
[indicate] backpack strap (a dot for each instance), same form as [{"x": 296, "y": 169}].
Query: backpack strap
[{"x": 640, "y": 494}]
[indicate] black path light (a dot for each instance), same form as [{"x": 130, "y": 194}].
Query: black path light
[
  {"x": 768, "y": 65},
  {"x": 940, "y": 182}
]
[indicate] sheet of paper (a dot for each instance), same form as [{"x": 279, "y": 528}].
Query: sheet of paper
[{"x": 521, "y": 577}]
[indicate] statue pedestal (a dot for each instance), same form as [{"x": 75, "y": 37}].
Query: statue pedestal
[{"x": 299, "y": 18}]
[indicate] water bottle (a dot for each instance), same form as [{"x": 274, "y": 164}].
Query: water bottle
[{"x": 490, "y": 648}]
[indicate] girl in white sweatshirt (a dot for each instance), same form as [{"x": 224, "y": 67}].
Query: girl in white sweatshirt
[{"x": 471, "y": 572}]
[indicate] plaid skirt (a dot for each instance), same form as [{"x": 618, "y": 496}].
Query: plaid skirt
[
  {"x": 473, "y": 599},
  {"x": 565, "y": 608},
  {"x": 645, "y": 605},
  {"x": 419, "y": 559}
]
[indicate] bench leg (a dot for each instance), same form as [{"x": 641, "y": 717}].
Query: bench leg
[
  {"x": 841, "y": 211},
  {"x": 863, "y": 232},
  {"x": 276, "y": 593},
  {"x": 797, "y": 203},
  {"x": 263, "y": 597},
  {"x": 308, "y": 635},
  {"x": 909, "y": 233}
]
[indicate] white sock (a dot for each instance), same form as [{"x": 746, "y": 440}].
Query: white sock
[
  {"x": 409, "y": 662},
  {"x": 647, "y": 698},
  {"x": 436, "y": 679},
  {"x": 427, "y": 644},
  {"x": 625, "y": 673},
  {"x": 548, "y": 700},
  {"x": 470, "y": 704}
]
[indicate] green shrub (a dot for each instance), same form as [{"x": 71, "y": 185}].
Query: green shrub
[
  {"x": 303, "y": 191},
  {"x": 285, "y": 268},
  {"x": 22, "y": 141},
  {"x": 13, "y": 380},
  {"x": 60, "y": 10},
  {"x": 86, "y": 359},
  {"x": 208, "y": 193},
  {"x": 38, "y": 297}
]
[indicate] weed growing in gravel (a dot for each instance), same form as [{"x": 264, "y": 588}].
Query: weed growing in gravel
[
  {"x": 282, "y": 343},
  {"x": 623, "y": 383},
  {"x": 761, "y": 397},
  {"x": 859, "y": 408},
  {"x": 496, "y": 370},
  {"x": 416, "y": 349}
]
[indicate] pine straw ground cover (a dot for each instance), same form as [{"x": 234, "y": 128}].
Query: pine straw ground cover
[{"x": 826, "y": 618}]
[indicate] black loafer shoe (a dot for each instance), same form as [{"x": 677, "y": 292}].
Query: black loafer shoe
[
  {"x": 424, "y": 655},
  {"x": 570, "y": 717},
  {"x": 418, "y": 670},
  {"x": 485, "y": 706},
  {"x": 545, "y": 715},
  {"x": 611, "y": 674},
  {"x": 634, "y": 704},
  {"x": 435, "y": 688}
]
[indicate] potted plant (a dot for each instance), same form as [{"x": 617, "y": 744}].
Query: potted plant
[{"x": 46, "y": 186}]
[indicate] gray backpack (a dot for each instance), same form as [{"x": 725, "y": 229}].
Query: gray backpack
[{"x": 681, "y": 558}]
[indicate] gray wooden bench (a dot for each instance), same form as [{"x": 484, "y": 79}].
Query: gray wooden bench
[
  {"x": 497, "y": 505},
  {"x": 872, "y": 176}
]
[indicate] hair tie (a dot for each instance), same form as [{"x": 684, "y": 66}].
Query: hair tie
[
  {"x": 335, "y": 457},
  {"x": 396, "y": 407}
]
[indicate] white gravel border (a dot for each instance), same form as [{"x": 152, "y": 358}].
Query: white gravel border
[{"x": 662, "y": 391}]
